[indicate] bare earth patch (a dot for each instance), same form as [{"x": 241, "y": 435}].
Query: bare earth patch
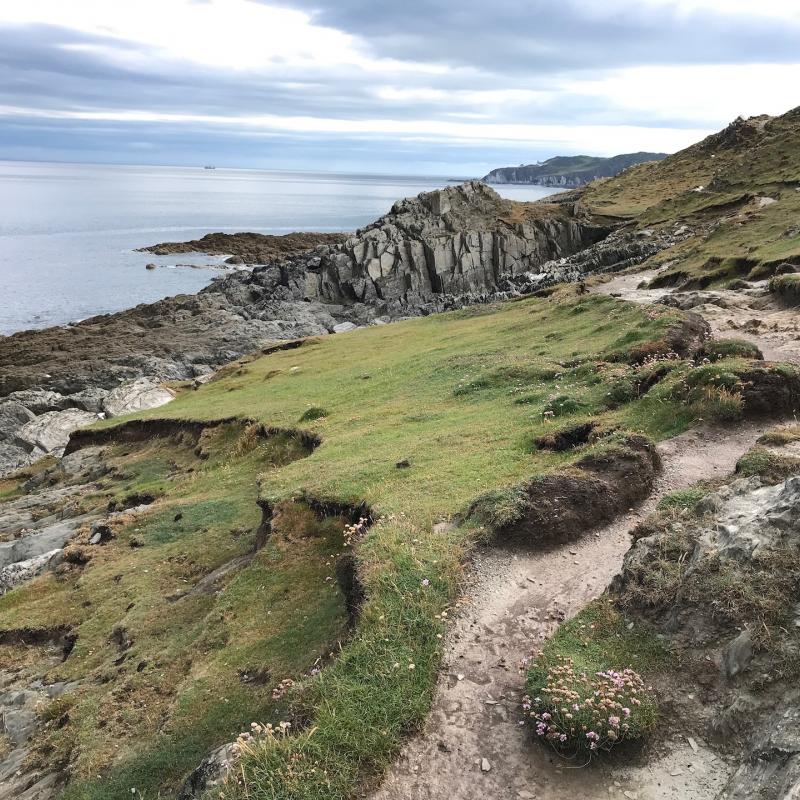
[{"x": 752, "y": 314}]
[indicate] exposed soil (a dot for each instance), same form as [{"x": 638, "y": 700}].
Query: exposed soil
[
  {"x": 562, "y": 505},
  {"x": 751, "y": 314}
]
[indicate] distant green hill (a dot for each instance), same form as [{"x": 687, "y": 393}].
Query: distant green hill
[{"x": 570, "y": 171}]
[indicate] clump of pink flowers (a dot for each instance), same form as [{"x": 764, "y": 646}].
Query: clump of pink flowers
[
  {"x": 576, "y": 711},
  {"x": 354, "y": 532},
  {"x": 280, "y": 690}
]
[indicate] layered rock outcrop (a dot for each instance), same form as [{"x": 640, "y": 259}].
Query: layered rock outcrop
[{"x": 457, "y": 242}]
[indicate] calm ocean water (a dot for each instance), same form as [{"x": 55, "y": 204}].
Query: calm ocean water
[{"x": 68, "y": 231}]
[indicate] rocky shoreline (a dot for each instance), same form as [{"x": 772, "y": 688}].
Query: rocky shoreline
[
  {"x": 247, "y": 248},
  {"x": 441, "y": 250}
]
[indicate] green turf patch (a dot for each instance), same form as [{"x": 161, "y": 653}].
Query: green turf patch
[
  {"x": 717, "y": 349},
  {"x": 772, "y": 467},
  {"x": 682, "y": 498},
  {"x": 787, "y": 288}
]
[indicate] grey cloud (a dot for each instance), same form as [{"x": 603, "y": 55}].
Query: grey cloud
[
  {"x": 40, "y": 73},
  {"x": 534, "y": 45},
  {"x": 147, "y": 143},
  {"x": 554, "y": 35}
]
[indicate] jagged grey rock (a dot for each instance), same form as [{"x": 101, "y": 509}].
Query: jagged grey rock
[
  {"x": 13, "y": 415},
  {"x": 90, "y": 399},
  {"x": 53, "y": 537},
  {"x": 743, "y": 525},
  {"x": 212, "y": 771},
  {"x": 40, "y": 401},
  {"x": 20, "y": 572}
]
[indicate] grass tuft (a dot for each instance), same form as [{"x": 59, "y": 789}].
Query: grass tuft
[{"x": 310, "y": 414}]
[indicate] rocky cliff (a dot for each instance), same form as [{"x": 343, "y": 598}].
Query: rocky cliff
[
  {"x": 570, "y": 171},
  {"x": 457, "y": 242}
]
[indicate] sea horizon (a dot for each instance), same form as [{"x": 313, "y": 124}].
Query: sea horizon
[{"x": 69, "y": 231}]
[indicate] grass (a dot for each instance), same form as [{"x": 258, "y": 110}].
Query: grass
[
  {"x": 772, "y": 467},
  {"x": 715, "y": 187},
  {"x": 442, "y": 393},
  {"x": 146, "y": 721},
  {"x": 787, "y": 287},
  {"x": 781, "y": 435},
  {"x": 683, "y": 498},
  {"x": 717, "y": 349},
  {"x": 599, "y": 637},
  {"x": 313, "y": 413}
]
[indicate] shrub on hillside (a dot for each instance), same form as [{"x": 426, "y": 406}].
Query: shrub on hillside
[
  {"x": 717, "y": 349},
  {"x": 562, "y": 406},
  {"x": 582, "y": 712},
  {"x": 787, "y": 287},
  {"x": 771, "y": 467},
  {"x": 310, "y": 414}
]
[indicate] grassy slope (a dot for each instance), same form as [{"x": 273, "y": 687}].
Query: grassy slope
[
  {"x": 461, "y": 397},
  {"x": 177, "y": 692},
  {"x": 734, "y": 167}
]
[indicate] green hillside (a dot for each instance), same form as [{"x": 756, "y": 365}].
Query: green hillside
[
  {"x": 415, "y": 421},
  {"x": 738, "y": 190},
  {"x": 570, "y": 171}
]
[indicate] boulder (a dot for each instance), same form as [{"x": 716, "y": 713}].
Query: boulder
[
  {"x": 100, "y": 533},
  {"x": 39, "y": 401},
  {"x": 90, "y": 399},
  {"x": 50, "y": 538},
  {"x": 137, "y": 395},
  {"x": 213, "y": 771},
  {"x": 344, "y": 327},
  {"x": 50, "y": 432},
  {"x": 13, "y": 415},
  {"x": 21, "y": 572}
]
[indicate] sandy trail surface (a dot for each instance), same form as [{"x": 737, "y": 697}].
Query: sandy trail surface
[{"x": 751, "y": 314}]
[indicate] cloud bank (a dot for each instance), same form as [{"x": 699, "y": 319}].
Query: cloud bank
[{"x": 447, "y": 88}]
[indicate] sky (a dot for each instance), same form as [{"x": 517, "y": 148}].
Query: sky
[{"x": 421, "y": 87}]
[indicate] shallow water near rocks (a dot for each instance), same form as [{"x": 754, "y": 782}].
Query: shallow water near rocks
[{"x": 68, "y": 232}]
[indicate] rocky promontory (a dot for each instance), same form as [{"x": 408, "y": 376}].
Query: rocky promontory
[
  {"x": 569, "y": 172},
  {"x": 441, "y": 250},
  {"x": 247, "y": 248}
]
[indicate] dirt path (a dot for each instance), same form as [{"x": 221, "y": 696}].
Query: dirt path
[
  {"x": 517, "y": 599},
  {"x": 751, "y": 314}
]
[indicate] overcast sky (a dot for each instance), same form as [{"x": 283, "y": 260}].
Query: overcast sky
[{"x": 436, "y": 87}]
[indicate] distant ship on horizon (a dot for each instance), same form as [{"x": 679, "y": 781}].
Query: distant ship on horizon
[{"x": 209, "y": 166}]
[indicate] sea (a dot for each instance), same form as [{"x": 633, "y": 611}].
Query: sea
[{"x": 69, "y": 232}]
